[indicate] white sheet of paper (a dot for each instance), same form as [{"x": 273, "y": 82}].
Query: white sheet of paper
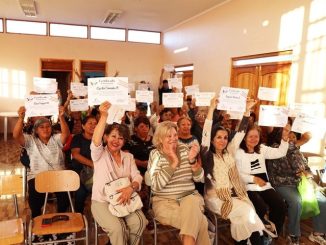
[
  {"x": 45, "y": 85},
  {"x": 313, "y": 110},
  {"x": 42, "y": 105},
  {"x": 192, "y": 90},
  {"x": 112, "y": 89},
  {"x": 303, "y": 123},
  {"x": 232, "y": 99},
  {"x": 115, "y": 114},
  {"x": 175, "y": 82},
  {"x": 79, "y": 105},
  {"x": 273, "y": 116},
  {"x": 204, "y": 98},
  {"x": 236, "y": 115},
  {"x": 131, "y": 105},
  {"x": 78, "y": 89},
  {"x": 172, "y": 100},
  {"x": 268, "y": 94},
  {"x": 143, "y": 86},
  {"x": 131, "y": 87},
  {"x": 169, "y": 67},
  {"x": 144, "y": 96}
]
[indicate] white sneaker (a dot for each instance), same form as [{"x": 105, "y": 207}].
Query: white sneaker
[{"x": 317, "y": 239}]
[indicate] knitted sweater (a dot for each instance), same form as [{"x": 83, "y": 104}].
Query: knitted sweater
[{"x": 166, "y": 181}]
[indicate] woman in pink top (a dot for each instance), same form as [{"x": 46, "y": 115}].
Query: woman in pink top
[{"x": 110, "y": 163}]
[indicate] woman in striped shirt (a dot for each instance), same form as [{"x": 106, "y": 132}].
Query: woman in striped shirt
[{"x": 173, "y": 168}]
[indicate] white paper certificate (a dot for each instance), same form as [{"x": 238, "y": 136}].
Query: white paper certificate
[
  {"x": 204, "y": 98},
  {"x": 78, "y": 89},
  {"x": 268, "y": 94},
  {"x": 175, "y": 82},
  {"x": 112, "y": 89},
  {"x": 144, "y": 96},
  {"x": 169, "y": 67},
  {"x": 273, "y": 116},
  {"x": 235, "y": 115},
  {"x": 115, "y": 114},
  {"x": 303, "y": 123},
  {"x": 232, "y": 99},
  {"x": 131, "y": 105},
  {"x": 172, "y": 100},
  {"x": 79, "y": 105},
  {"x": 131, "y": 87},
  {"x": 45, "y": 85},
  {"x": 42, "y": 105},
  {"x": 305, "y": 109},
  {"x": 191, "y": 90}
]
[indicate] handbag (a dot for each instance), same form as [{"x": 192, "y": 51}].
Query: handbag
[
  {"x": 309, "y": 201},
  {"x": 111, "y": 195}
]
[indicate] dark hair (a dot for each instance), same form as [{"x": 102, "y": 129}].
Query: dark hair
[
  {"x": 275, "y": 136},
  {"x": 243, "y": 145},
  {"x": 165, "y": 110},
  {"x": 85, "y": 120},
  {"x": 122, "y": 129},
  {"x": 214, "y": 131},
  {"x": 140, "y": 120},
  {"x": 252, "y": 114},
  {"x": 141, "y": 106},
  {"x": 165, "y": 81}
]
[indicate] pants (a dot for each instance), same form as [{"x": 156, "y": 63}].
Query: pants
[
  {"x": 269, "y": 200},
  {"x": 293, "y": 199},
  {"x": 80, "y": 198},
  {"x": 186, "y": 215},
  {"x": 36, "y": 200},
  {"x": 121, "y": 231}
]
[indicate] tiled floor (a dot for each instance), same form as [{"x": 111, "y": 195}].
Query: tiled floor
[{"x": 9, "y": 164}]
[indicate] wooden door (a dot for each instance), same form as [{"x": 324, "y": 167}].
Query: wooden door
[{"x": 246, "y": 77}]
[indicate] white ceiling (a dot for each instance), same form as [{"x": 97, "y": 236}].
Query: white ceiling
[{"x": 152, "y": 15}]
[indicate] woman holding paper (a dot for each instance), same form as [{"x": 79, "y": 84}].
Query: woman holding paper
[
  {"x": 225, "y": 193},
  {"x": 285, "y": 174},
  {"x": 250, "y": 159},
  {"x": 111, "y": 164},
  {"x": 45, "y": 153}
]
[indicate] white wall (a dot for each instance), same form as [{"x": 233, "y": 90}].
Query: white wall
[
  {"x": 235, "y": 29},
  {"x": 23, "y": 52}
]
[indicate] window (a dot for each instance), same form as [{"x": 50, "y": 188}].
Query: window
[
  {"x": 144, "y": 36},
  {"x": 64, "y": 30},
  {"x": 108, "y": 34},
  {"x": 18, "y": 84},
  {"x": 26, "y": 27},
  {"x": 1, "y": 25},
  {"x": 4, "y": 82}
]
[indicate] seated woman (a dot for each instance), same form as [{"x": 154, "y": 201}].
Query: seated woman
[
  {"x": 140, "y": 145},
  {"x": 250, "y": 159},
  {"x": 82, "y": 162},
  {"x": 284, "y": 174},
  {"x": 110, "y": 163},
  {"x": 45, "y": 153},
  {"x": 173, "y": 168},
  {"x": 225, "y": 193}
]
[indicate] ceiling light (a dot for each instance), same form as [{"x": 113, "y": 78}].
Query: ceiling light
[
  {"x": 112, "y": 16},
  {"x": 28, "y": 7}
]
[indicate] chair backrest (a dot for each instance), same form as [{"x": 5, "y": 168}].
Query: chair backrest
[
  {"x": 11, "y": 184},
  {"x": 57, "y": 181}
]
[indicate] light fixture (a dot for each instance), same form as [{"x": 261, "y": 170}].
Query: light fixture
[
  {"x": 112, "y": 16},
  {"x": 28, "y": 7}
]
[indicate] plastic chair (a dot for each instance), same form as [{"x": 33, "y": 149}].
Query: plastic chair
[
  {"x": 12, "y": 230},
  {"x": 58, "y": 181}
]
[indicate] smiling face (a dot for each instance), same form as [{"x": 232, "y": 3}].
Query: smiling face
[
  {"x": 89, "y": 126},
  {"x": 114, "y": 141},
  {"x": 170, "y": 139},
  {"x": 142, "y": 130},
  {"x": 184, "y": 126},
  {"x": 252, "y": 139},
  {"x": 220, "y": 140}
]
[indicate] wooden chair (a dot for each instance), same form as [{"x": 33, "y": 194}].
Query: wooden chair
[
  {"x": 12, "y": 230},
  {"x": 58, "y": 181}
]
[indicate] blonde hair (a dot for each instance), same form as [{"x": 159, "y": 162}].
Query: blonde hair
[{"x": 161, "y": 132}]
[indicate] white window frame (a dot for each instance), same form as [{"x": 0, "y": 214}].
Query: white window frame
[
  {"x": 26, "y": 27},
  {"x": 105, "y": 33},
  {"x": 68, "y": 30},
  {"x": 143, "y": 36}
]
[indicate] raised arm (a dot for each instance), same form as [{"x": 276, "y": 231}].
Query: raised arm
[
  {"x": 161, "y": 79},
  {"x": 99, "y": 129},
  {"x": 18, "y": 129},
  {"x": 206, "y": 136},
  {"x": 63, "y": 125},
  {"x": 304, "y": 139}
]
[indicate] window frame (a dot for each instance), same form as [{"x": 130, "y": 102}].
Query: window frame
[
  {"x": 46, "y": 27},
  {"x": 67, "y": 24},
  {"x": 136, "y": 30}
]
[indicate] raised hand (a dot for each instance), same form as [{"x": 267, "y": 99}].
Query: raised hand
[
  {"x": 104, "y": 107},
  {"x": 193, "y": 152},
  {"x": 21, "y": 112}
]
